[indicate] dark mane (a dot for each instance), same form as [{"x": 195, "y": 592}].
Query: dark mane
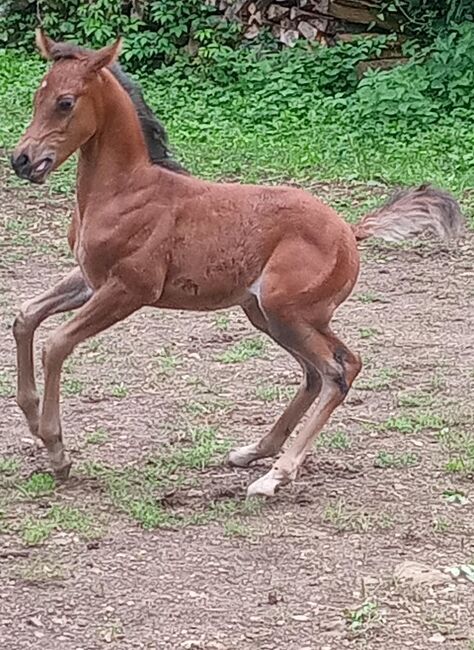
[{"x": 153, "y": 130}]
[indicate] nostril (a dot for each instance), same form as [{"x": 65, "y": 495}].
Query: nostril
[
  {"x": 20, "y": 163},
  {"x": 22, "y": 160}
]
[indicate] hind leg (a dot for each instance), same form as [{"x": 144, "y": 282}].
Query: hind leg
[
  {"x": 299, "y": 290},
  {"x": 272, "y": 442},
  {"x": 338, "y": 367}
]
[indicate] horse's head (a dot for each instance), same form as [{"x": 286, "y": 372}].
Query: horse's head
[{"x": 66, "y": 108}]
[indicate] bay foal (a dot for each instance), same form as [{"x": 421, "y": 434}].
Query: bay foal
[{"x": 147, "y": 236}]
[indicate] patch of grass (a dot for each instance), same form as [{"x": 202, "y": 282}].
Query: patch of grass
[
  {"x": 6, "y": 385},
  {"x": 368, "y": 332},
  {"x": 139, "y": 491},
  {"x": 35, "y": 531},
  {"x": 72, "y": 386},
  {"x": 381, "y": 379},
  {"x": 97, "y": 437},
  {"x": 272, "y": 393},
  {"x": 207, "y": 407},
  {"x": 37, "y": 485},
  {"x": 246, "y": 349},
  {"x": 438, "y": 382},
  {"x": 71, "y": 519},
  {"x": 367, "y": 297},
  {"x": 386, "y": 460},
  {"x": 205, "y": 447},
  {"x": 9, "y": 466},
  {"x": 441, "y": 525},
  {"x": 363, "y": 617},
  {"x": 150, "y": 514},
  {"x": 455, "y": 497},
  {"x": 459, "y": 446},
  {"x": 334, "y": 440},
  {"x": 236, "y": 528},
  {"x": 119, "y": 391},
  {"x": 222, "y": 322},
  {"x": 414, "y": 399},
  {"x": 40, "y": 571},
  {"x": 347, "y": 519},
  {"x": 167, "y": 361},
  {"x": 414, "y": 423}
]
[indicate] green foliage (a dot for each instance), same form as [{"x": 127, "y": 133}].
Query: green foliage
[
  {"x": 438, "y": 81},
  {"x": 427, "y": 18},
  {"x": 259, "y": 113},
  {"x": 154, "y": 31}
]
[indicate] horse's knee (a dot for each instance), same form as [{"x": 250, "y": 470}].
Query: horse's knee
[{"x": 23, "y": 325}]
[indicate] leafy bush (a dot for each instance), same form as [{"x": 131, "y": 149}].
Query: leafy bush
[
  {"x": 426, "y": 19},
  {"x": 302, "y": 113},
  {"x": 154, "y": 31}
]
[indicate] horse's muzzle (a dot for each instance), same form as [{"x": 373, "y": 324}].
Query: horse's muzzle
[{"x": 34, "y": 171}]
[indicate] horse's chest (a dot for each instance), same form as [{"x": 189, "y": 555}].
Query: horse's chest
[{"x": 91, "y": 264}]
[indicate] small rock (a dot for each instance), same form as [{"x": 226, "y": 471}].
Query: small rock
[
  {"x": 420, "y": 574},
  {"x": 437, "y": 638},
  {"x": 301, "y": 618}
]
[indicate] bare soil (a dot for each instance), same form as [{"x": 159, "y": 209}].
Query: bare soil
[{"x": 315, "y": 568}]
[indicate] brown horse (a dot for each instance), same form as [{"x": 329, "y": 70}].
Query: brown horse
[{"x": 147, "y": 236}]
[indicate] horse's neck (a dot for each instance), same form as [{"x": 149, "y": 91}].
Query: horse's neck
[{"x": 116, "y": 150}]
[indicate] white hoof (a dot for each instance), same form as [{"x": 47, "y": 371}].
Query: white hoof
[
  {"x": 243, "y": 456},
  {"x": 267, "y": 485}
]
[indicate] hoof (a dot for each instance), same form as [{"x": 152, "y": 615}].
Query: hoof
[
  {"x": 62, "y": 470},
  {"x": 243, "y": 456},
  {"x": 266, "y": 486}
]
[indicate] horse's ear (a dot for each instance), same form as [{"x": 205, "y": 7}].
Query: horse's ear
[
  {"x": 44, "y": 43},
  {"x": 106, "y": 56}
]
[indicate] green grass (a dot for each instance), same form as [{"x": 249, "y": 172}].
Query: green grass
[
  {"x": 334, "y": 440},
  {"x": 346, "y": 518},
  {"x": 138, "y": 491},
  {"x": 37, "y": 485},
  {"x": 9, "y": 466},
  {"x": 35, "y": 530},
  {"x": 362, "y": 618},
  {"x": 368, "y": 332},
  {"x": 415, "y": 423},
  {"x": 166, "y": 361},
  {"x": 207, "y": 407},
  {"x": 367, "y": 297},
  {"x": 379, "y": 380},
  {"x": 274, "y": 393},
  {"x": 6, "y": 384},
  {"x": 97, "y": 437},
  {"x": 244, "y": 350},
  {"x": 229, "y": 130},
  {"x": 459, "y": 448},
  {"x": 386, "y": 460},
  {"x": 222, "y": 322},
  {"x": 119, "y": 391},
  {"x": 72, "y": 386},
  {"x": 414, "y": 399}
]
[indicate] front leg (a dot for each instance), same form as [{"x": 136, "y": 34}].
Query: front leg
[
  {"x": 70, "y": 293},
  {"x": 110, "y": 304}
]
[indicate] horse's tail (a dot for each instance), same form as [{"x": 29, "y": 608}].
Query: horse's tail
[{"x": 413, "y": 212}]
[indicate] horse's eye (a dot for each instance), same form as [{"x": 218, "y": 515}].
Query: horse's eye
[{"x": 65, "y": 104}]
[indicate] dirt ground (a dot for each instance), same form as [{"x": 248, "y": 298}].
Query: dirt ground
[{"x": 151, "y": 544}]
